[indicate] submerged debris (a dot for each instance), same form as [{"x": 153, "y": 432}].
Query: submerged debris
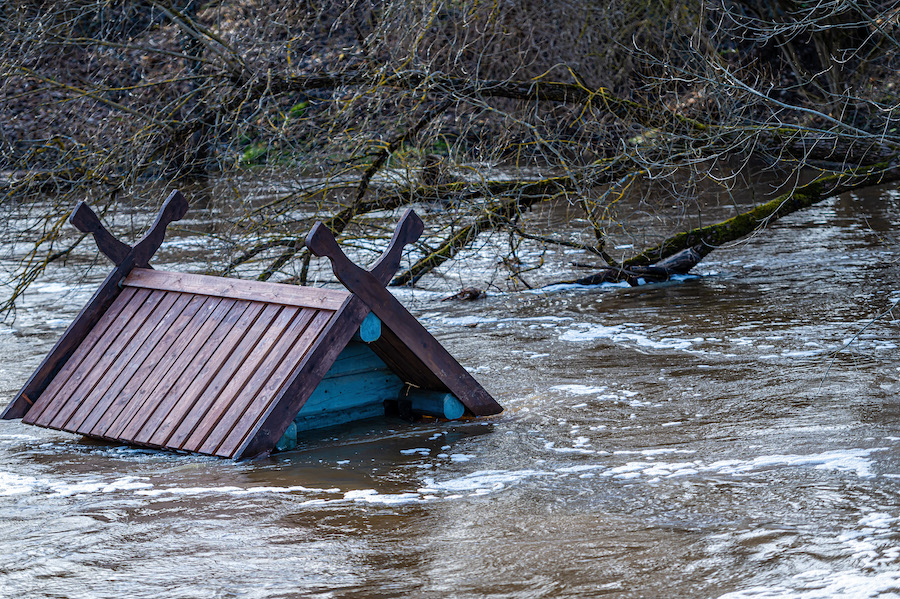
[{"x": 466, "y": 294}]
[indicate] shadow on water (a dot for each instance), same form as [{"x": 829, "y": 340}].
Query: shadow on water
[{"x": 731, "y": 435}]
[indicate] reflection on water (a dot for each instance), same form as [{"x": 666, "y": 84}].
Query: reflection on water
[{"x": 731, "y": 435}]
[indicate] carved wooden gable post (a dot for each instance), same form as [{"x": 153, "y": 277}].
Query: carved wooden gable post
[{"x": 125, "y": 258}]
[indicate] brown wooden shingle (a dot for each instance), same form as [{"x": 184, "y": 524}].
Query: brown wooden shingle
[{"x": 181, "y": 370}]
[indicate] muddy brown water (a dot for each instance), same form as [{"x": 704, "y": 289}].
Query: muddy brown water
[{"x": 731, "y": 435}]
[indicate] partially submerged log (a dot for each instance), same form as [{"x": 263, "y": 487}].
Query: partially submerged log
[
  {"x": 681, "y": 252},
  {"x": 678, "y": 264}
]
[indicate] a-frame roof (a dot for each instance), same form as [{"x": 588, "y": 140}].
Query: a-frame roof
[{"x": 221, "y": 366}]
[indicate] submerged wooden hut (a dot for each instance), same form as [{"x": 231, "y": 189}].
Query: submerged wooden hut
[{"x": 238, "y": 368}]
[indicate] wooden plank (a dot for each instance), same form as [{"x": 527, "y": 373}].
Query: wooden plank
[
  {"x": 263, "y": 388},
  {"x": 306, "y": 376},
  {"x": 435, "y": 403},
  {"x": 127, "y": 342},
  {"x": 73, "y": 364},
  {"x": 94, "y": 367},
  {"x": 356, "y": 358},
  {"x": 75, "y": 334},
  {"x": 165, "y": 392},
  {"x": 258, "y": 365},
  {"x": 200, "y": 351},
  {"x": 273, "y": 293},
  {"x": 173, "y": 209},
  {"x": 338, "y": 417},
  {"x": 345, "y": 392},
  {"x": 144, "y": 401},
  {"x": 128, "y": 379},
  {"x": 126, "y": 363},
  {"x": 220, "y": 392},
  {"x": 153, "y": 366}
]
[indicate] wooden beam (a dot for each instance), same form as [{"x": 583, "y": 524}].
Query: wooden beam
[
  {"x": 435, "y": 403},
  {"x": 258, "y": 291},
  {"x": 68, "y": 343},
  {"x": 86, "y": 221},
  {"x": 174, "y": 208}
]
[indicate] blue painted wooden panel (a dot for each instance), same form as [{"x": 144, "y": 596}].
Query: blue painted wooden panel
[
  {"x": 355, "y": 360},
  {"x": 337, "y": 417},
  {"x": 344, "y": 392},
  {"x": 355, "y": 387}
]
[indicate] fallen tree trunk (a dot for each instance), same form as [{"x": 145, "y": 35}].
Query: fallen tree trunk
[
  {"x": 681, "y": 252},
  {"x": 677, "y": 264}
]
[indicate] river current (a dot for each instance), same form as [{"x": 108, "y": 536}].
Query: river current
[{"x": 732, "y": 435}]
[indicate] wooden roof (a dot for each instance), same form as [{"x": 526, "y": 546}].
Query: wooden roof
[
  {"x": 220, "y": 366},
  {"x": 169, "y": 366}
]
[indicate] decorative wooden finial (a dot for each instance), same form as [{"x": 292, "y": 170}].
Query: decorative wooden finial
[
  {"x": 321, "y": 242},
  {"x": 85, "y": 220},
  {"x": 174, "y": 208}
]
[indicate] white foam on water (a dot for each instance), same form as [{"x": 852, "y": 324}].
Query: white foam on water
[
  {"x": 823, "y": 584},
  {"x": 578, "y": 389},
  {"x": 844, "y": 460},
  {"x": 230, "y": 490},
  {"x": 850, "y": 460},
  {"x": 601, "y": 393},
  {"x": 873, "y": 542},
  {"x": 480, "y": 482},
  {"x": 15, "y": 484},
  {"x": 128, "y": 483},
  {"x": 801, "y": 353},
  {"x": 15, "y": 439},
  {"x": 577, "y": 287},
  {"x": 551, "y": 446},
  {"x": 622, "y": 333},
  {"x": 474, "y": 320},
  {"x": 416, "y": 450},
  {"x": 373, "y": 496},
  {"x": 579, "y": 469},
  {"x": 877, "y": 520},
  {"x": 659, "y": 451}
]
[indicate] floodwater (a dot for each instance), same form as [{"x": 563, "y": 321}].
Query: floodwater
[{"x": 733, "y": 435}]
